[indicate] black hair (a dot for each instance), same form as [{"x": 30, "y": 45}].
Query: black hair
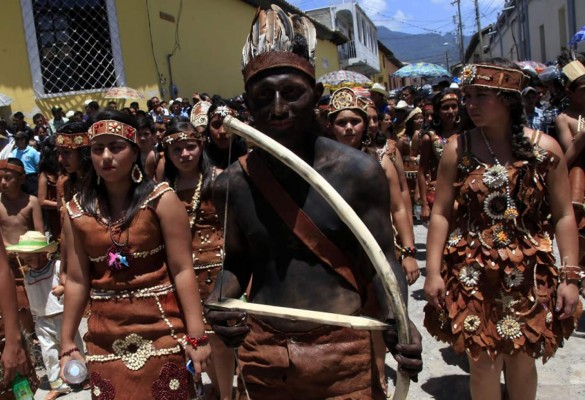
[
  {"x": 144, "y": 122},
  {"x": 84, "y": 152},
  {"x": 205, "y": 165},
  {"x": 93, "y": 193},
  {"x": 18, "y": 115},
  {"x": 436, "y": 102},
  {"x": 48, "y": 162},
  {"x": 134, "y": 104},
  {"x": 217, "y": 156},
  {"x": 521, "y": 146},
  {"x": 37, "y": 115},
  {"x": 15, "y": 161},
  {"x": 93, "y": 105}
]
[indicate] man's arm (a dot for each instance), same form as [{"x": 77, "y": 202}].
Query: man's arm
[
  {"x": 37, "y": 214},
  {"x": 13, "y": 357}
]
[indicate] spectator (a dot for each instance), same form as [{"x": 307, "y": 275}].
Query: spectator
[
  {"x": 20, "y": 125},
  {"x": 534, "y": 115},
  {"x": 135, "y": 105},
  {"x": 91, "y": 109},
  {"x": 58, "y": 119},
  {"x": 112, "y": 105},
  {"x": 157, "y": 110},
  {"x": 30, "y": 158},
  {"x": 379, "y": 95}
]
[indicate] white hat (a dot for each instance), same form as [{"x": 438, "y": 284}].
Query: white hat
[
  {"x": 86, "y": 102},
  {"x": 454, "y": 85},
  {"x": 70, "y": 114},
  {"x": 402, "y": 105},
  {"x": 180, "y": 100},
  {"x": 379, "y": 88}
]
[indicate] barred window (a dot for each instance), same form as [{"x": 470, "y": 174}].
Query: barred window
[{"x": 73, "y": 46}]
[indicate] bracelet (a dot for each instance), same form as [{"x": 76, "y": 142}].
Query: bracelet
[
  {"x": 407, "y": 251},
  {"x": 69, "y": 352},
  {"x": 571, "y": 274},
  {"x": 196, "y": 342}
]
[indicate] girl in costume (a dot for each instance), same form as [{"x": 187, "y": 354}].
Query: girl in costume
[
  {"x": 493, "y": 289},
  {"x": 191, "y": 175},
  {"x": 129, "y": 253},
  {"x": 48, "y": 176},
  {"x": 445, "y": 124},
  {"x": 218, "y": 140}
]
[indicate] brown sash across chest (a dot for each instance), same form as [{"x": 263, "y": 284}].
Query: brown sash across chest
[{"x": 299, "y": 222}]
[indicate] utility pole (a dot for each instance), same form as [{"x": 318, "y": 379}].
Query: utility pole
[
  {"x": 460, "y": 30},
  {"x": 479, "y": 35}
]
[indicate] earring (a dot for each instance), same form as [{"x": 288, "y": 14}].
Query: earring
[
  {"x": 136, "y": 174},
  {"x": 435, "y": 123},
  {"x": 458, "y": 119},
  {"x": 99, "y": 180}
]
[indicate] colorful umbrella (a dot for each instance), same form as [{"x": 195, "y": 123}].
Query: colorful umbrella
[
  {"x": 422, "y": 70},
  {"x": 337, "y": 79},
  {"x": 536, "y": 66},
  {"x": 123, "y": 92},
  {"x": 5, "y": 100},
  {"x": 578, "y": 37}
]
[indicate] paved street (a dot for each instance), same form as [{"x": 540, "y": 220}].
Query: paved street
[{"x": 445, "y": 374}]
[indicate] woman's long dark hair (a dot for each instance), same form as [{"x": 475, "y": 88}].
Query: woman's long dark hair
[
  {"x": 94, "y": 193},
  {"x": 437, "y": 124},
  {"x": 205, "y": 166},
  {"x": 521, "y": 146},
  {"x": 217, "y": 156},
  {"x": 84, "y": 152},
  {"x": 49, "y": 164}
]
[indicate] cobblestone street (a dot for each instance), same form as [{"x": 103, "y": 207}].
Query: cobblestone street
[{"x": 445, "y": 374}]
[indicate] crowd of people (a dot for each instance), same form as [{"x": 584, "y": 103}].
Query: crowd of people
[{"x": 136, "y": 218}]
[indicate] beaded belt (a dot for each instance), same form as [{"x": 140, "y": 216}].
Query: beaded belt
[
  {"x": 153, "y": 291},
  {"x": 411, "y": 174}
]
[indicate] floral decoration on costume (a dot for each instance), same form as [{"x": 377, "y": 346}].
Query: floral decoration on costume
[
  {"x": 101, "y": 389},
  {"x": 495, "y": 176},
  {"x": 471, "y": 323},
  {"x": 134, "y": 351},
  {"x": 495, "y": 205},
  {"x": 172, "y": 384},
  {"x": 454, "y": 237},
  {"x": 470, "y": 274},
  {"x": 509, "y": 328},
  {"x": 514, "y": 278}
]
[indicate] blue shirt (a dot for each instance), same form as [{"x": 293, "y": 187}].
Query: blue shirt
[{"x": 29, "y": 157}]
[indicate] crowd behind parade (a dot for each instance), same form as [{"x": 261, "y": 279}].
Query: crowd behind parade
[{"x": 411, "y": 126}]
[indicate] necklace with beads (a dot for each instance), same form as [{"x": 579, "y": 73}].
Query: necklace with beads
[
  {"x": 497, "y": 176},
  {"x": 195, "y": 201},
  {"x": 118, "y": 253}
]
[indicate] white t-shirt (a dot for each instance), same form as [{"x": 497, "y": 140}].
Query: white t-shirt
[{"x": 38, "y": 284}]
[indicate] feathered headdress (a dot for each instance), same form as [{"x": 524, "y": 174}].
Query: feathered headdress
[{"x": 278, "y": 39}]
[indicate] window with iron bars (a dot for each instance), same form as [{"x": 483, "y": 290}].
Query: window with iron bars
[{"x": 73, "y": 46}]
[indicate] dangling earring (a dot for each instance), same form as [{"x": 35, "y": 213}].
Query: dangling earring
[
  {"x": 458, "y": 119},
  {"x": 136, "y": 174},
  {"x": 99, "y": 180},
  {"x": 435, "y": 123}
]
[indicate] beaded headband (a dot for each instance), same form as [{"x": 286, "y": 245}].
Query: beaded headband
[
  {"x": 4, "y": 164},
  {"x": 347, "y": 99},
  {"x": 72, "y": 140},
  {"x": 450, "y": 96},
  {"x": 180, "y": 136},
  {"x": 111, "y": 127},
  {"x": 223, "y": 111},
  {"x": 574, "y": 70},
  {"x": 198, "y": 115},
  {"x": 494, "y": 77}
]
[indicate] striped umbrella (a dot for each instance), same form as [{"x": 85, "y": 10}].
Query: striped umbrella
[
  {"x": 422, "y": 70},
  {"x": 578, "y": 37},
  {"x": 338, "y": 79}
]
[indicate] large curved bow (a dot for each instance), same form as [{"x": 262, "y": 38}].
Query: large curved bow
[{"x": 350, "y": 218}]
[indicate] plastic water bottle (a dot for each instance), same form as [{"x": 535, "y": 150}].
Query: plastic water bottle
[
  {"x": 21, "y": 388},
  {"x": 75, "y": 372}
]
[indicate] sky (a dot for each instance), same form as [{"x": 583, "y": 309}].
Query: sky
[{"x": 418, "y": 16}]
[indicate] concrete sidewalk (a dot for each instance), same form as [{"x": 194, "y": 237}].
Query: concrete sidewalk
[{"x": 445, "y": 374}]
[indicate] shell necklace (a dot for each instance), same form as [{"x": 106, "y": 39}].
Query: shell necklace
[
  {"x": 498, "y": 173},
  {"x": 195, "y": 201}
]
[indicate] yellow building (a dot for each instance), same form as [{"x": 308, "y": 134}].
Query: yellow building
[
  {"x": 64, "y": 53},
  {"x": 388, "y": 65}
]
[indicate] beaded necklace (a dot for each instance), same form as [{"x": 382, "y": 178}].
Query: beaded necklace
[
  {"x": 498, "y": 173},
  {"x": 195, "y": 201},
  {"x": 118, "y": 253}
]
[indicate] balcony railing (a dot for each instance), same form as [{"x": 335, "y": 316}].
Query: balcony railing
[{"x": 347, "y": 51}]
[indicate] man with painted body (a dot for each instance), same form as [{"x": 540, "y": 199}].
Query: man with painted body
[{"x": 299, "y": 359}]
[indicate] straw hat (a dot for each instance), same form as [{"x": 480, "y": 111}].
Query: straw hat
[
  {"x": 33, "y": 242},
  {"x": 379, "y": 88}
]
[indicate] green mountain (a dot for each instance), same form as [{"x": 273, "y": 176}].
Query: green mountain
[{"x": 426, "y": 47}]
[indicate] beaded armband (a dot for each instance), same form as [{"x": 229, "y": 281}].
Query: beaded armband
[
  {"x": 68, "y": 352},
  {"x": 408, "y": 251},
  {"x": 571, "y": 274},
  {"x": 196, "y": 342}
]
